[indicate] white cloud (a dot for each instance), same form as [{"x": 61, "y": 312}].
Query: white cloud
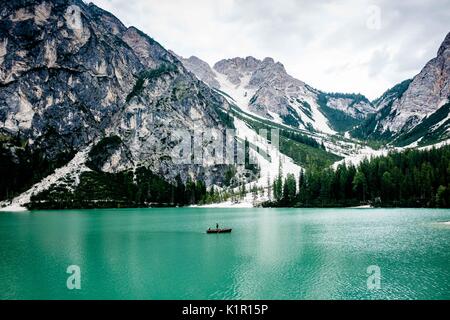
[{"x": 328, "y": 44}]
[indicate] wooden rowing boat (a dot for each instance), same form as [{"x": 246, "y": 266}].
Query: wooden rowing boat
[{"x": 228, "y": 230}]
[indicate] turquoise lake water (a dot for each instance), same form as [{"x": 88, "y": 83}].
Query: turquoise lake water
[{"x": 270, "y": 254}]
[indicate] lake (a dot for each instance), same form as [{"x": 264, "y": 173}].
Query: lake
[{"x": 270, "y": 254}]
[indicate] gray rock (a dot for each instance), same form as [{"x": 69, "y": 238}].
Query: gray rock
[
  {"x": 201, "y": 70},
  {"x": 421, "y": 99},
  {"x": 72, "y": 74},
  {"x": 273, "y": 92}
]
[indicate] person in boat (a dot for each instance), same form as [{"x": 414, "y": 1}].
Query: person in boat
[{"x": 217, "y": 226}]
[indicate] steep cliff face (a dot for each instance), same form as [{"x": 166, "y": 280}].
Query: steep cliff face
[
  {"x": 407, "y": 107},
  {"x": 369, "y": 128},
  {"x": 428, "y": 91},
  {"x": 264, "y": 88},
  {"x": 60, "y": 81},
  {"x": 72, "y": 74}
]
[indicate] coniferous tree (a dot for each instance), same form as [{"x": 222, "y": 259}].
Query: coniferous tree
[
  {"x": 289, "y": 188},
  {"x": 413, "y": 178},
  {"x": 360, "y": 185},
  {"x": 278, "y": 188}
]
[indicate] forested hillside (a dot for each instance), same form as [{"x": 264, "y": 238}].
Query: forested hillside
[{"x": 414, "y": 178}]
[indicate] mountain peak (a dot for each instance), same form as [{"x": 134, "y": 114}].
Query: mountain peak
[
  {"x": 445, "y": 45},
  {"x": 72, "y": 75},
  {"x": 200, "y": 69},
  {"x": 268, "y": 60},
  {"x": 248, "y": 63},
  {"x": 195, "y": 58},
  {"x": 417, "y": 109}
]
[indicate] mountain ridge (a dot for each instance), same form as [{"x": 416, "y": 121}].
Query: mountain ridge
[
  {"x": 92, "y": 111},
  {"x": 393, "y": 117},
  {"x": 275, "y": 95}
]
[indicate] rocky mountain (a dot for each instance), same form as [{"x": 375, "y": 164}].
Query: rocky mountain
[
  {"x": 74, "y": 78},
  {"x": 94, "y": 113},
  {"x": 415, "y": 110},
  {"x": 200, "y": 69},
  {"x": 264, "y": 88}
]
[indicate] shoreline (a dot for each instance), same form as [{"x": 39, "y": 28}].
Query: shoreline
[
  {"x": 365, "y": 206},
  {"x": 226, "y": 204},
  {"x": 13, "y": 208}
]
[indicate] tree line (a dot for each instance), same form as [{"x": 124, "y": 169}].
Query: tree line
[
  {"x": 413, "y": 178},
  {"x": 141, "y": 188}
]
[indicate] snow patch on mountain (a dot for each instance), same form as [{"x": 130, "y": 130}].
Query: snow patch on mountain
[
  {"x": 240, "y": 93},
  {"x": 367, "y": 152},
  {"x": 72, "y": 170},
  {"x": 320, "y": 122},
  {"x": 270, "y": 164}
]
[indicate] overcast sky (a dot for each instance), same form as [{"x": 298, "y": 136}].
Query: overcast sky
[{"x": 336, "y": 46}]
